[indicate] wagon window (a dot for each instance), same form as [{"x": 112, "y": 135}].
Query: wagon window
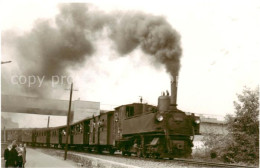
[
  {"x": 71, "y": 129},
  {"x": 78, "y": 128},
  {"x": 129, "y": 111}
]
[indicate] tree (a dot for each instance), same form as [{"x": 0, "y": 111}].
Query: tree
[
  {"x": 241, "y": 144},
  {"x": 244, "y": 128}
]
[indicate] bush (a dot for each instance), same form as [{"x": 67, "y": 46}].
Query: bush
[{"x": 241, "y": 144}]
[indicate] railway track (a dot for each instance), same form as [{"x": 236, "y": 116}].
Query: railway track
[
  {"x": 211, "y": 164},
  {"x": 189, "y": 162}
]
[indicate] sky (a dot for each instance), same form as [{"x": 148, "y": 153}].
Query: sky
[{"x": 220, "y": 42}]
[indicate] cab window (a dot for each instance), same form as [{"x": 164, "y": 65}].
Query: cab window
[{"x": 129, "y": 111}]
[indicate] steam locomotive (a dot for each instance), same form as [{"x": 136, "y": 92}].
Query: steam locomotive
[{"x": 141, "y": 129}]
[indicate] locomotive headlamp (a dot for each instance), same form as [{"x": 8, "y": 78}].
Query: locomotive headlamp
[
  {"x": 197, "y": 121},
  {"x": 159, "y": 117}
]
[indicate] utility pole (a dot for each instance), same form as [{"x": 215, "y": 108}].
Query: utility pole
[
  {"x": 48, "y": 123},
  {"x": 68, "y": 123},
  {"x": 4, "y": 135}
]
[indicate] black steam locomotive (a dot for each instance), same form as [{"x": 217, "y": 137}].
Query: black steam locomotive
[{"x": 141, "y": 129}]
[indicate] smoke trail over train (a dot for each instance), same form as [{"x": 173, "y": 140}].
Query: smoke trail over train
[{"x": 53, "y": 48}]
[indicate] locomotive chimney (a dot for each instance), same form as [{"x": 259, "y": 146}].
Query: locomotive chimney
[{"x": 174, "y": 92}]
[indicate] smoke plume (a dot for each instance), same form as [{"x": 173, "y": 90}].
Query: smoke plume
[
  {"x": 153, "y": 34},
  {"x": 53, "y": 48},
  {"x": 50, "y": 50}
]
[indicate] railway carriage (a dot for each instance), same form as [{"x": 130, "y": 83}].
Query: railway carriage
[
  {"x": 101, "y": 132},
  {"x": 13, "y": 134},
  {"x": 28, "y": 136},
  {"x": 55, "y": 136},
  {"x": 62, "y": 137},
  {"x": 80, "y": 134},
  {"x": 42, "y": 137}
]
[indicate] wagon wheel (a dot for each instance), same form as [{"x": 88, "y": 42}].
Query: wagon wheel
[
  {"x": 139, "y": 153},
  {"x": 89, "y": 149},
  {"x": 128, "y": 153},
  {"x": 111, "y": 151},
  {"x": 155, "y": 155},
  {"x": 147, "y": 155},
  {"x": 99, "y": 150}
]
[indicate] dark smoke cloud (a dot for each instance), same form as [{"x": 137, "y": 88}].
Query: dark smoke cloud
[
  {"x": 51, "y": 49},
  {"x": 155, "y": 36}
]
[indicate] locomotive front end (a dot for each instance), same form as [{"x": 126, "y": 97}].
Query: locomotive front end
[{"x": 179, "y": 127}]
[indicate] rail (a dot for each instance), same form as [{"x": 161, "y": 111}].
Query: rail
[{"x": 210, "y": 164}]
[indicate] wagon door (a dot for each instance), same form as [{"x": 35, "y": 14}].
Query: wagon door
[
  {"x": 117, "y": 125},
  {"x": 110, "y": 129},
  {"x": 60, "y": 136},
  {"x": 86, "y": 132},
  {"x": 92, "y": 132},
  {"x": 96, "y": 132},
  {"x": 102, "y": 128},
  {"x": 48, "y": 137}
]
